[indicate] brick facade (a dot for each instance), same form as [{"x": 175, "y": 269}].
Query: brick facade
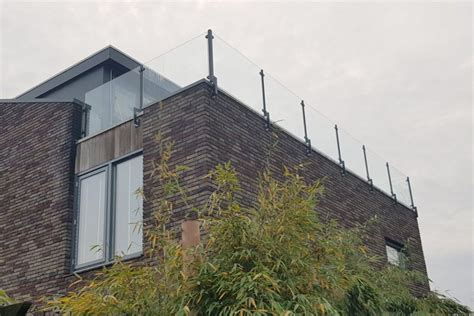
[
  {"x": 36, "y": 171},
  {"x": 184, "y": 121},
  {"x": 37, "y": 148},
  {"x": 238, "y": 134},
  {"x": 210, "y": 130}
]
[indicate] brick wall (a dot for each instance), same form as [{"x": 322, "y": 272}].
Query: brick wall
[
  {"x": 183, "y": 120},
  {"x": 37, "y": 144},
  {"x": 37, "y": 150},
  {"x": 210, "y": 130},
  {"x": 238, "y": 134}
]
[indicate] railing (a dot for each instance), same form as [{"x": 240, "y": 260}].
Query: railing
[{"x": 209, "y": 57}]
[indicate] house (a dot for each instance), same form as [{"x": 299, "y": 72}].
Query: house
[{"x": 75, "y": 148}]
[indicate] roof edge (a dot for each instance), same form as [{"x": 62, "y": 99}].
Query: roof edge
[{"x": 85, "y": 64}]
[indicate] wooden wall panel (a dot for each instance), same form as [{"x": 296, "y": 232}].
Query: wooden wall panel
[{"x": 109, "y": 145}]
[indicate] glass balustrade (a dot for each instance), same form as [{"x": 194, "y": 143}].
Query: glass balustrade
[{"x": 115, "y": 101}]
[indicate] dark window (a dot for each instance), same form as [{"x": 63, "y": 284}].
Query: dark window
[
  {"x": 394, "y": 253},
  {"x": 109, "y": 213}
]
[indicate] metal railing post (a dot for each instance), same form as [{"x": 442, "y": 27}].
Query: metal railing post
[
  {"x": 369, "y": 180},
  {"x": 142, "y": 69},
  {"x": 307, "y": 141},
  {"x": 210, "y": 54},
  {"x": 394, "y": 196},
  {"x": 85, "y": 110},
  {"x": 138, "y": 111},
  {"x": 414, "y": 208},
  {"x": 266, "y": 115},
  {"x": 341, "y": 162}
]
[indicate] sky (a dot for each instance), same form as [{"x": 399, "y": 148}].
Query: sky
[{"x": 397, "y": 75}]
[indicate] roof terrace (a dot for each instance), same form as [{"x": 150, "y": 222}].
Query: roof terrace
[{"x": 208, "y": 57}]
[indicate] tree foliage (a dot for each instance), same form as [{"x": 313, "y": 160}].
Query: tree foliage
[
  {"x": 276, "y": 258},
  {"x": 5, "y": 299}
]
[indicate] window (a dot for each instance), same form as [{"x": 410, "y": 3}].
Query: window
[
  {"x": 395, "y": 254},
  {"x": 128, "y": 207},
  {"x": 109, "y": 213},
  {"x": 91, "y": 218}
]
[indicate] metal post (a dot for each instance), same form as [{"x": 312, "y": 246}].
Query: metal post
[
  {"x": 341, "y": 162},
  {"x": 210, "y": 54},
  {"x": 307, "y": 141},
  {"x": 142, "y": 69},
  {"x": 369, "y": 180},
  {"x": 85, "y": 117},
  {"x": 85, "y": 110},
  {"x": 411, "y": 196},
  {"x": 266, "y": 115},
  {"x": 139, "y": 110},
  {"x": 394, "y": 196}
]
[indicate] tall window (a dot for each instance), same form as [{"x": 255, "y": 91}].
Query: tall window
[
  {"x": 128, "y": 207},
  {"x": 91, "y": 218},
  {"x": 109, "y": 213}
]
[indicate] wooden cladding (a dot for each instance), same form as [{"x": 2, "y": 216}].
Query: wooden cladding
[{"x": 109, "y": 145}]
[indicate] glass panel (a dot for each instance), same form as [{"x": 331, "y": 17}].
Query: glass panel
[
  {"x": 284, "y": 107},
  {"x": 352, "y": 154},
  {"x": 237, "y": 75},
  {"x": 128, "y": 207},
  {"x": 113, "y": 102},
  {"x": 378, "y": 171},
  {"x": 175, "y": 69},
  {"x": 393, "y": 255},
  {"x": 321, "y": 132},
  {"x": 91, "y": 219},
  {"x": 400, "y": 186},
  {"x": 156, "y": 87}
]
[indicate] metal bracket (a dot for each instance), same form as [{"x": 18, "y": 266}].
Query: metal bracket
[
  {"x": 85, "y": 110},
  {"x": 307, "y": 141},
  {"x": 394, "y": 196},
  {"x": 266, "y": 115},
  {"x": 136, "y": 118},
  {"x": 341, "y": 162},
  {"x": 210, "y": 54}
]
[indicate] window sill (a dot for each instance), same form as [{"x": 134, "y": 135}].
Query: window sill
[{"x": 96, "y": 266}]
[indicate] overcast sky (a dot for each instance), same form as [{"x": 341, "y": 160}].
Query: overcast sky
[{"x": 397, "y": 75}]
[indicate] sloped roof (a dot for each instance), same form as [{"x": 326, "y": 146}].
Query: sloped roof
[{"x": 105, "y": 54}]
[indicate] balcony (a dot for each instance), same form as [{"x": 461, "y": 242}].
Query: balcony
[{"x": 208, "y": 57}]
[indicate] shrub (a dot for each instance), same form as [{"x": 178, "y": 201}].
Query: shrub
[{"x": 277, "y": 258}]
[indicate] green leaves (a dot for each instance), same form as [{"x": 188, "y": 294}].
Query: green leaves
[
  {"x": 275, "y": 258},
  {"x": 5, "y": 299}
]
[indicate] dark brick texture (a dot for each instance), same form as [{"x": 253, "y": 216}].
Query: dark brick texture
[
  {"x": 37, "y": 150},
  {"x": 238, "y": 134},
  {"x": 210, "y": 130}
]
